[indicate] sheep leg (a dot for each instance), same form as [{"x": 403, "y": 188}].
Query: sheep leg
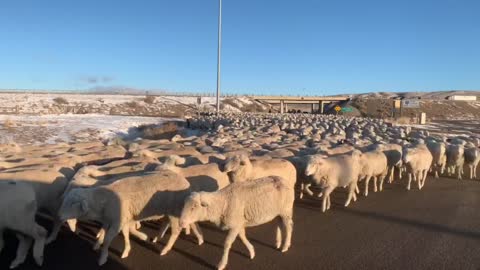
[
  {"x": 39, "y": 235},
  {"x": 162, "y": 232},
  {"x": 302, "y": 187},
  {"x": 288, "y": 225},
  {"x": 351, "y": 191},
  {"x": 198, "y": 233},
  {"x": 100, "y": 237},
  {"x": 424, "y": 178},
  {"x": 367, "y": 180},
  {"x": 380, "y": 186},
  {"x": 471, "y": 171},
  {"x": 174, "y": 223},
  {"x": 72, "y": 224},
  {"x": 459, "y": 173},
  {"x": 187, "y": 230},
  {"x": 247, "y": 243},
  {"x": 280, "y": 232},
  {"x": 109, "y": 235},
  {"x": 126, "y": 239},
  {"x": 57, "y": 224},
  {"x": 419, "y": 179},
  {"x": 308, "y": 190},
  {"x": 136, "y": 233},
  {"x": 326, "y": 195},
  {"x": 328, "y": 202},
  {"x": 22, "y": 250},
  {"x": 475, "y": 171},
  {"x": 357, "y": 190},
  {"x": 2, "y": 243},
  {"x": 375, "y": 180},
  {"x": 391, "y": 174},
  {"x": 409, "y": 180},
  {"x": 232, "y": 235}
]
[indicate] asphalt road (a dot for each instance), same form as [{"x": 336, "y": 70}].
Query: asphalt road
[{"x": 436, "y": 228}]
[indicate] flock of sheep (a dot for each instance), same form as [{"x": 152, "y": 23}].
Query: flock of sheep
[{"x": 234, "y": 170}]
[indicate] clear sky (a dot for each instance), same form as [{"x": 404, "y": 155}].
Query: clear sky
[{"x": 269, "y": 46}]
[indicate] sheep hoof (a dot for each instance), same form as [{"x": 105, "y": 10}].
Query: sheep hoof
[
  {"x": 49, "y": 240},
  {"x": 221, "y": 265},
  {"x": 200, "y": 242},
  {"x": 164, "y": 252},
  {"x": 96, "y": 246},
  {"x": 15, "y": 265},
  {"x": 124, "y": 255},
  {"x": 39, "y": 260},
  {"x": 102, "y": 261},
  {"x": 154, "y": 240}
]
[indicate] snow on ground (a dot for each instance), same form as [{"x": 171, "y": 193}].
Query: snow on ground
[
  {"x": 448, "y": 127},
  {"x": 50, "y": 129}
]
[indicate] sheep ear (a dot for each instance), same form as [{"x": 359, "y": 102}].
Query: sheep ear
[{"x": 84, "y": 206}]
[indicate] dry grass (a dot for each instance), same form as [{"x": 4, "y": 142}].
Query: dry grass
[
  {"x": 60, "y": 100},
  {"x": 149, "y": 99},
  {"x": 157, "y": 132},
  {"x": 9, "y": 124}
]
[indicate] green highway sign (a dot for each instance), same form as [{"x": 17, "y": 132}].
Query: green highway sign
[{"x": 347, "y": 109}]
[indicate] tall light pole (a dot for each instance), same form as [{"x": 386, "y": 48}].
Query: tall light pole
[{"x": 219, "y": 50}]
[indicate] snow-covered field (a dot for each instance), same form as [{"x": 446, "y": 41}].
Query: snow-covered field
[{"x": 50, "y": 129}]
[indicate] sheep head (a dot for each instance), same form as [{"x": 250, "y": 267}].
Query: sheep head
[
  {"x": 235, "y": 163},
  {"x": 74, "y": 205},
  {"x": 195, "y": 209}
]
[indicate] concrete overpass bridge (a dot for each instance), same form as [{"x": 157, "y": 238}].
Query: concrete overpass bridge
[{"x": 283, "y": 101}]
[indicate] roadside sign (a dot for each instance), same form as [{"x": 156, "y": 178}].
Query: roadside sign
[
  {"x": 408, "y": 103},
  {"x": 338, "y": 108}
]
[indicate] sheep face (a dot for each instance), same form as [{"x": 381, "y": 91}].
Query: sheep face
[
  {"x": 234, "y": 164},
  {"x": 195, "y": 209},
  {"x": 73, "y": 206},
  {"x": 315, "y": 164}
]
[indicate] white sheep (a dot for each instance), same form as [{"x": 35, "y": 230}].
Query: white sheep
[
  {"x": 138, "y": 198},
  {"x": 240, "y": 168},
  {"x": 374, "y": 165},
  {"x": 393, "y": 152},
  {"x": 18, "y": 207},
  {"x": 472, "y": 158},
  {"x": 204, "y": 177},
  {"x": 455, "y": 159},
  {"x": 439, "y": 155},
  {"x": 335, "y": 171},
  {"x": 241, "y": 205},
  {"x": 418, "y": 161},
  {"x": 49, "y": 183}
]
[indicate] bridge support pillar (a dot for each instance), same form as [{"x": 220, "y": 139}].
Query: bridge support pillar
[
  {"x": 320, "y": 106},
  {"x": 282, "y": 104},
  {"x": 313, "y": 108}
]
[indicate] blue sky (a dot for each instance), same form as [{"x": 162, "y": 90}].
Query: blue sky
[{"x": 285, "y": 47}]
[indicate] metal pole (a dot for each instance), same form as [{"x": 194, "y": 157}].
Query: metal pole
[{"x": 219, "y": 49}]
